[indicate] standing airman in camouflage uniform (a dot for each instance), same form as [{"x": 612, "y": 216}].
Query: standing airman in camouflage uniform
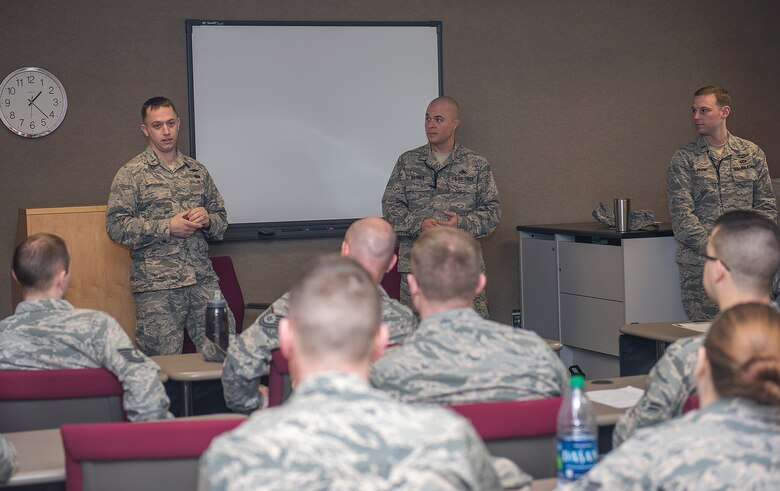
[
  {"x": 8, "y": 463},
  {"x": 742, "y": 256},
  {"x": 336, "y": 432},
  {"x": 47, "y": 333},
  {"x": 369, "y": 241},
  {"x": 163, "y": 206},
  {"x": 715, "y": 173},
  {"x": 455, "y": 356},
  {"x": 733, "y": 441},
  {"x": 442, "y": 184}
]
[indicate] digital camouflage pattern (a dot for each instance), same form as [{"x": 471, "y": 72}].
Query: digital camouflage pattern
[
  {"x": 8, "y": 461},
  {"x": 421, "y": 187},
  {"x": 336, "y": 432},
  {"x": 699, "y": 189},
  {"x": 670, "y": 382},
  {"x": 249, "y": 357},
  {"x": 164, "y": 315},
  {"x": 50, "y": 334},
  {"x": 145, "y": 195},
  {"x": 730, "y": 444},
  {"x": 457, "y": 357}
]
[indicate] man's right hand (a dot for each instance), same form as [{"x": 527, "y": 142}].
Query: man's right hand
[
  {"x": 181, "y": 227},
  {"x": 429, "y": 223}
]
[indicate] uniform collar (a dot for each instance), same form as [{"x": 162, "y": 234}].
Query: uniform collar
[
  {"x": 454, "y": 156},
  {"x": 152, "y": 159},
  {"x": 45, "y": 304},
  {"x": 332, "y": 383}
]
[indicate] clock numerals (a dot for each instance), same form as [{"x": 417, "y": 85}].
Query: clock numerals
[
  {"x": 55, "y": 102},
  {"x": 7, "y": 103},
  {"x": 11, "y": 90},
  {"x": 37, "y": 92}
]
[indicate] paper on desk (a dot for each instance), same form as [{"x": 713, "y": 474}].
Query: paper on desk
[
  {"x": 622, "y": 398},
  {"x": 695, "y": 326}
]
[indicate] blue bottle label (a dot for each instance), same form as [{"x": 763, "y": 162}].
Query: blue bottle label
[{"x": 576, "y": 455}]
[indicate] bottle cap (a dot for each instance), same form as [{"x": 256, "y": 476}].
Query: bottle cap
[
  {"x": 577, "y": 381},
  {"x": 216, "y": 301}
]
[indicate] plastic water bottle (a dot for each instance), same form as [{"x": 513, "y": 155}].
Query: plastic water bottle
[
  {"x": 577, "y": 446},
  {"x": 217, "y": 329}
]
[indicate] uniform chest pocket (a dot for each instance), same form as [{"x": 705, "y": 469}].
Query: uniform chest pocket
[
  {"x": 744, "y": 173},
  {"x": 155, "y": 201},
  {"x": 418, "y": 192},
  {"x": 705, "y": 181},
  {"x": 194, "y": 191}
]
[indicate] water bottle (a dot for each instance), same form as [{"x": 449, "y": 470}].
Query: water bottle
[
  {"x": 577, "y": 444},
  {"x": 217, "y": 329}
]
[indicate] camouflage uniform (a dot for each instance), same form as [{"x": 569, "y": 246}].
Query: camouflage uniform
[
  {"x": 50, "y": 334},
  {"x": 420, "y": 187},
  {"x": 171, "y": 277},
  {"x": 8, "y": 461},
  {"x": 700, "y": 188},
  {"x": 249, "y": 357},
  {"x": 730, "y": 444},
  {"x": 336, "y": 432},
  {"x": 669, "y": 384},
  {"x": 457, "y": 357}
]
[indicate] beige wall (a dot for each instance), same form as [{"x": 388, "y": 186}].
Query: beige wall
[{"x": 572, "y": 101}]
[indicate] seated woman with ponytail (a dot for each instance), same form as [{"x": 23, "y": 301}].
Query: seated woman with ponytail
[{"x": 733, "y": 441}]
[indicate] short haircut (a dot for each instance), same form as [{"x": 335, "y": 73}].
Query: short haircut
[
  {"x": 721, "y": 95},
  {"x": 743, "y": 348},
  {"x": 446, "y": 264},
  {"x": 749, "y": 245},
  {"x": 372, "y": 243},
  {"x": 334, "y": 310},
  {"x": 38, "y": 259},
  {"x": 450, "y": 101},
  {"x": 156, "y": 103}
]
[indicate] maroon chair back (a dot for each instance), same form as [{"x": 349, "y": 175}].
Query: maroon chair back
[
  {"x": 41, "y": 399},
  {"x": 279, "y": 382},
  {"x": 160, "y": 455},
  {"x": 522, "y": 431},
  {"x": 228, "y": 283},
  {"x": 691, "y": 404},
  {"x": 391, "y": 282}
]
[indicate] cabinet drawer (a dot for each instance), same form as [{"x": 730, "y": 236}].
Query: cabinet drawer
[
  {"x": 591, "y": 323},
  {"x": 593, "y": 270}
]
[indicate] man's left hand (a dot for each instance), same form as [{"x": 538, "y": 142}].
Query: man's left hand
[
  {"x": 453, "y": 219},
  {"x": 200, "y": 216}
]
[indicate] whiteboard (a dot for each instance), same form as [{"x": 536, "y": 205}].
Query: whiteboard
[{"x": 303, "y": 122}]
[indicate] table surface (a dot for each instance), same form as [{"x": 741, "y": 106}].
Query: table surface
[
  {"x": 608, "y": 415},
  {"x": 41, "y": 457},
  {"x": 595, "y": 229},
  {"x": 189, "y": 367},
  {"x": 545, "y": 484},
  {"x": 659, "y": 331}
]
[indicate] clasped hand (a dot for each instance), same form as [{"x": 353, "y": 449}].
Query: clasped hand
[
  {"x": 187, "y": 222},
  {"x": 430, "y": 223}
]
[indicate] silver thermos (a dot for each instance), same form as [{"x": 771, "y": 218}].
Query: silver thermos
[{"x": 217, "y": 330}]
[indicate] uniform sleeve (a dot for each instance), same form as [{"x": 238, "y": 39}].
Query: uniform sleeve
[
  {"x": 764, "y": 200},
  {"x": 669, "y": 384},
  {"x": 388, "y": 374},
  {"x": 487, "y": 214},
  {"x": 679, "y": 194},
  {"x": 215, "y": 206},
  {"x": 395, "y": 206},
  {"x": 144, "y": 395},
  {"x": 123, "y": 222},
  {"x": 8, "y": 462},
  {"x": 483, "y": 465},
  {"x": 249, "y": 358}
]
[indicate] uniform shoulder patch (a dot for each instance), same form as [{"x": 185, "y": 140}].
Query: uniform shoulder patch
[{"x": 131, "y": 355}]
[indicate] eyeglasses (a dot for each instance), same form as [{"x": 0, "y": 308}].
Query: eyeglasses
[{"x": 705, "y": 257}]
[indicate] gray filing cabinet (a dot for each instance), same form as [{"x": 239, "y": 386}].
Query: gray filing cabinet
[{"x": 581, "y": 281}]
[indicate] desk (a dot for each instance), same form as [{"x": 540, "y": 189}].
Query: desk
[
  {"x": 188, "y": 368},
  {"x": 641, "y": 345},
  {"x": 548, "y": 484},
  {"x": 608, "y": 415},
  {"x": 41, "y": 457}
]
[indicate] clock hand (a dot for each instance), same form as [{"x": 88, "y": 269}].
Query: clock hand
[
  {"x": 34, "y": 98},
  {"x": 38, "y": 108}
]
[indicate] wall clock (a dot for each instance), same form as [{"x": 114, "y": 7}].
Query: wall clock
[{"x": 33, "y": 102}]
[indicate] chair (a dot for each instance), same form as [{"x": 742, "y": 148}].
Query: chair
[
  {"x": 41, "y": 399},
  {"x": 522, "y": 431},
  {"x": 691, "y": 404},
  {"x": 159, "y": 455},
  {"x": 279, "y": 382},
  {"x": 228, "y": 283}
]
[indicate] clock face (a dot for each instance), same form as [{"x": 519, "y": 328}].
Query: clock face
[{"x": 32, "y": 102}]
